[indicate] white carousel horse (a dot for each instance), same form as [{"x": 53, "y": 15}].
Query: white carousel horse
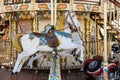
[
  {"x": 32, "y": 44},
  {"x": 33, "y": 57},
  {"x": 39, "y": 56}
]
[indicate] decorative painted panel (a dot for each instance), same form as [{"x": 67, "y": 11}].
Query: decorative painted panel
[{"x": 24, "y": 26}]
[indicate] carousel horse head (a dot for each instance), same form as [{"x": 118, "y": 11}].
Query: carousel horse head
[{"x": 71, "y": 20}]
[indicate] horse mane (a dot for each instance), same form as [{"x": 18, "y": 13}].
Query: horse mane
[
  {"x": 16, "y": 43},
  {"x": 47, "y": 29}
]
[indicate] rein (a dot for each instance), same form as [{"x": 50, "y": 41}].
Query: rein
[{"x": 74, "y": 30}]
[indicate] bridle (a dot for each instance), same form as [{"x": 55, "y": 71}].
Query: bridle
[
  {"x": 73, "y": 23},
  {"x": 73, "y": 30}
]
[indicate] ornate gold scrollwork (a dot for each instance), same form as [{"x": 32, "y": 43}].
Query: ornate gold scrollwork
[
  {"x": 87, "y": 37},
  {"x": 60, "y": 21}
]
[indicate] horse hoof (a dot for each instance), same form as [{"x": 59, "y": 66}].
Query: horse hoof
[
  {"x": 12, "y": 73},
  {"x": 28, "y": 67},
  {"x": 80, "y": 61},
  {"x": 73, "y": 63},
  {"x": 16, "y": 72}
]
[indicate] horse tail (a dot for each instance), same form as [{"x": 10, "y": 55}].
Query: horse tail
[{"x": 16, "y": 43}]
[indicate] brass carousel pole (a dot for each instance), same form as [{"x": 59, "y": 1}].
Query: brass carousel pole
[
  {"x": 72, "y": 5},
  {"x": 55, "y": 12},
  {"x": 110, "y": 36},
  {"x": 55, "y": 73},
  {"x": 34, "y": 16},
  {"x": 87, "y": 37},
  {"x": 52, "y": 13},
  {"x": 14, "y": 32},
  {"x": 71, "y": 9},
  {"x": 14, "y": 28},
  {"x": 11, "y": 45},
  {"x": 97, "y": 40},
  {"x": 35, "y": 28},
  {"x": 34, "y": 23},
  {"x": 105, "y": 63}
]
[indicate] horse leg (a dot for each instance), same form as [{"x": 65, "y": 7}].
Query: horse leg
[
  {"x": 79, "y": 51},
  {"x": 29, "y": 65},
  {"x": 40, "y": 61},
  {"x": 71, "y": 58},
  {"x": 35, "y": 57},
  {"x": 21, "y": 64},
  {"x": 67, "y": 53},
  {"x": 81, "y": 54},
  {"x": 19, "y": 59}
]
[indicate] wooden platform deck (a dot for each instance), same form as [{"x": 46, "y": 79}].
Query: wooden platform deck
[{"x": 41, "y": 75}]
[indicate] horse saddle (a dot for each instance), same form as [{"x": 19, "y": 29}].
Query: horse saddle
[{"x": 50, "y": 37}]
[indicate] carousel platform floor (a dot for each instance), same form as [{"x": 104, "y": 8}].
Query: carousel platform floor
[{"x": 41, "y": 75}]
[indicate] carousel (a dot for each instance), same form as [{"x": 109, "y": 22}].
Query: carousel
[{"x": 61, "y": 35}]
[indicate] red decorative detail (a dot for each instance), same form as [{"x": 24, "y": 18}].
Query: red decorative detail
[
  {"x": 80, "y": 7},
  {"x": 8, "y": 8},
  {"x": 23, "y": 7},
  {"x": 43, "y": 6},
  {"x": 85, "y": 64},
  {"x": 95, "y": 8},
  {"x": 61, "y": 6},
  {"x": 97, "y": 73},
  {"x": 111, "y": 66}
]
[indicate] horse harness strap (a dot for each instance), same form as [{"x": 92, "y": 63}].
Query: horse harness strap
[
  {"x": 71, "y": 20},
  {"x": 38, "y": 34},
  {"x": 50, "y": 37}
]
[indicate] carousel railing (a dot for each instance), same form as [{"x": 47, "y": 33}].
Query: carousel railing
[
  {"x": 10, "y": 2},
  {"x": 116, "y": 2},
  {"x": 63, "y": 1},
  {"x": 48, "y": 1},
  {"x": 42, "y": 1},
  {"x": 90, "y": 2}
]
